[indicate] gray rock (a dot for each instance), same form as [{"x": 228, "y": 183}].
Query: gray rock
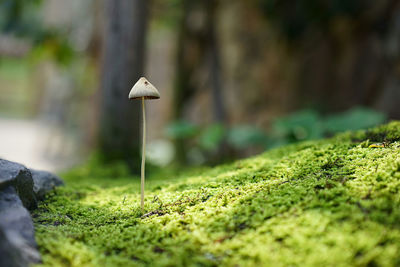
[
  {"x": 20, "y": 178},
  {"x": 44, "y": 182},
  {"x": 18, "y": 240},
  {"x": 9, "y": 255},
  {"x": 19, "y": 189}
]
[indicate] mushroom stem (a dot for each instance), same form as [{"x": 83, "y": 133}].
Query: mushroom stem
[{"x": 143, "y": 155}]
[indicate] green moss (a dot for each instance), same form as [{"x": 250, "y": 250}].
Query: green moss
[
  {"x": 386, "y": 133},
  {"x": 331, "y": 202}
]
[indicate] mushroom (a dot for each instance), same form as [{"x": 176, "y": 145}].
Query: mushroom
[{"x": 143, "y": 89}]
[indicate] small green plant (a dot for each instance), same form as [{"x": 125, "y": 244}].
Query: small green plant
[{"x": 299, "y": 126}]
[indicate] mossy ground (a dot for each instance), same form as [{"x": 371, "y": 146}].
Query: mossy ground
[{"x": 333, "y": 202}]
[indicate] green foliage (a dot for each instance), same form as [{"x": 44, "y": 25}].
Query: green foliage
[
  {"x": 181, "y": 130},
  {"x": 52, "y": 45},
  {"x": 19, "y": 17},
  {"x": 22, "y": 18},
  {"x": 245, "y": 135},
  {"x": 308, "y": 125},
  {"x": 212, "y": 136},
  {"x": 330, "y": 202},
  {"x": 299, "y": 126},
  {"x": 354, "y": 119},
  {"x": 302, "y": 125}
]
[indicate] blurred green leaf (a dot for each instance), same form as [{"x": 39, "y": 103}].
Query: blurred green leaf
[
  {"x": 302, "y": 125},
  {"x": 353, "y": 119},
  {"x": 212, "y": 136},
  {"x": 20, "y": 17},
  {"x": 244, "y": 136},
  {"x": 181, "y": 130}
]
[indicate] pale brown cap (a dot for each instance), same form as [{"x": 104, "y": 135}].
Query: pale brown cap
[{"x": 143, "y": 88}]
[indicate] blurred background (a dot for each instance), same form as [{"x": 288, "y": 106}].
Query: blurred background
[{"x": 236, "y": 77}]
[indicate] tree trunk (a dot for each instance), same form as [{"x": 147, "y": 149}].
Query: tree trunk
[
  {"x": 215, "y": 63},
  {"x": 198, "y": 53},
  {"x": 183, "y": 88},
  {"x": 123, "y": 64}
]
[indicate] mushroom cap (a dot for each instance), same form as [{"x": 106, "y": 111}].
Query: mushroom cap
[{"x": 143, "y": 88}]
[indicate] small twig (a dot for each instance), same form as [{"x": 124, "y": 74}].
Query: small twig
[
  {"x": 284, "y": 182},
  {"x": 155, "y": 212}
]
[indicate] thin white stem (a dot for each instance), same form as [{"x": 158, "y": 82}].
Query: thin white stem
[{"x": 143, "y": 155}]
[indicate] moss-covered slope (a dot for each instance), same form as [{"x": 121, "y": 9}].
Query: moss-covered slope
[{"x": 332, "y": 202}]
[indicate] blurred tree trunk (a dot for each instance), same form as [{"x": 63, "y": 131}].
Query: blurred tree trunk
[
  {"x": 197, "y": 54},
  {"x": 215, "y": 62},
  {"x": 123, "y": 64},
  {"x": 223, "y": 151},
  {"x": 187, "y": 57},
  {"x": 94, "y": 50}
]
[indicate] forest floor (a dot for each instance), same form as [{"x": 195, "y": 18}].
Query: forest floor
[{"x": 332, "y": 202}]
